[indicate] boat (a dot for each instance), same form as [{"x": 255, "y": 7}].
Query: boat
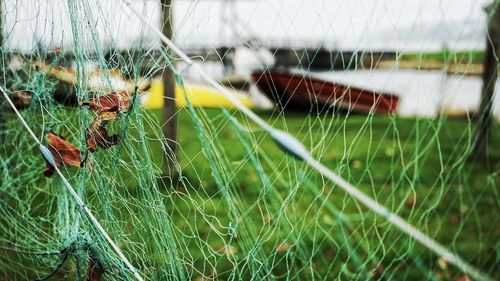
[
  {"x": 300, "y": 90},
  {"x": 97, "y": 82},
  {"x": 198, "y": 95},
  {"x": 150, "y": 90}
]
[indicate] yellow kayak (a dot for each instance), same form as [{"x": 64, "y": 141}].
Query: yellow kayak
[{"x": 199, "y": 96}]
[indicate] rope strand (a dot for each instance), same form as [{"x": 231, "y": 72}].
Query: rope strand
[
  {"x": 47, "y": 155},
  {"x": 293, "y": 146}
]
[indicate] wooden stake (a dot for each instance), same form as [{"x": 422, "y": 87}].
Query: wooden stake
[
  {"x": 491, "y": 66},
  {"x": 2, "y": 114},
  {"x": 169, "y": 109}
]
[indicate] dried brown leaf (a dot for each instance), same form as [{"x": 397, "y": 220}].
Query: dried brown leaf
[
  {"x": 378, "y": 272},
  {"x": 283, "y": 247},
  {"x": 21, "y": 99},
  {"x": 228, "y": 250},
  {"x": 110, "y": 102},
  {"x": 97, "y": 135},
  {"x": 410, "y": 202},
  {"x": 63, "y": 152}
]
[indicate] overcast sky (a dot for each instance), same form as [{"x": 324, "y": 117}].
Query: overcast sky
[{"x": 346, "y": 24}]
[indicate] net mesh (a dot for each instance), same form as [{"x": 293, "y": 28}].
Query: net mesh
[{"x": 234, "y": 205}]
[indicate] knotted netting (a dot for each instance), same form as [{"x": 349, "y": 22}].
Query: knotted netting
[{"x": 239, "y": 199}]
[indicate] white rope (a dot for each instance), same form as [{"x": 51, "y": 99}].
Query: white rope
[
  {"x": 293, "y": 146},
  {"x": 399, "y": 222},
  {"x": 50, "y": 158}
]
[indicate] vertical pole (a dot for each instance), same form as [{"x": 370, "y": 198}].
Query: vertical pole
[
  {"x": 2, "y": 114},
  {"x": 490, "y": 74},
  {"x": 169, "y": 109}
]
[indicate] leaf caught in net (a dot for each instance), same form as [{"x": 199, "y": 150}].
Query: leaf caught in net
[
  {"x": 21, "y": 99},
  {"x": 218, "y": 197},
  {"x": 110, "y": 102},
  {"x": 97, "y": 134},
  {"x": 63, "y": 152}
]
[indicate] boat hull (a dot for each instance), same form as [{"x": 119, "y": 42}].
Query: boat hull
[{"x": 303, "y": 91}]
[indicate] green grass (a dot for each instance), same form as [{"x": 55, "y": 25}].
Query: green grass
[
  {"x": 305, "y": 224},
  {"x": 391, "y": 160},
  {"x": 447, "y": 56}
]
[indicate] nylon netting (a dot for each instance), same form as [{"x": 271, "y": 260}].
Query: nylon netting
[{"x": 86, "y": 77}]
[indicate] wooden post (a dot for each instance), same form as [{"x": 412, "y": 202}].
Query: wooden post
[
  {"x": 2, "y": 114},
  {"x": 490, "y": 73},
  {"x": 169, "y": 109}
]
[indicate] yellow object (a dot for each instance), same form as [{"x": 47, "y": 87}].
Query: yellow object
[{"x": 198, "y": 96}]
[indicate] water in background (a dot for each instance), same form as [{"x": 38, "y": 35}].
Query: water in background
[{"x": 423, "y": 93}]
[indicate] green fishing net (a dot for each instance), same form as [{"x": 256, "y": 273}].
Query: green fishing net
[{"x": 234, "y": 206}]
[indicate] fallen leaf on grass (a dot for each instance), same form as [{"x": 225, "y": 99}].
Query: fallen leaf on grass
[
  {"x": 325, "y": 190},
  {"x": 464, "y": 208},
  {"x": 267, "y": 219},
  {"x": 228, "y": 250},
  {"x": 442, "y": 263},
  {"x": 356, "y": 164},
  {"x": 410, "y": 202},
  {"x": 330, "y": 253},
  {"x": 378, "y": 272},
  {"x": 283, "y": 247}
]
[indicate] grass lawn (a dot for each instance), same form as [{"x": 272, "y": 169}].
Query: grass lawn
[
  {"x": 448, "y": 56},
  {"x": 253, "y": 211},
  {"x": 414, "y": 167}
]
